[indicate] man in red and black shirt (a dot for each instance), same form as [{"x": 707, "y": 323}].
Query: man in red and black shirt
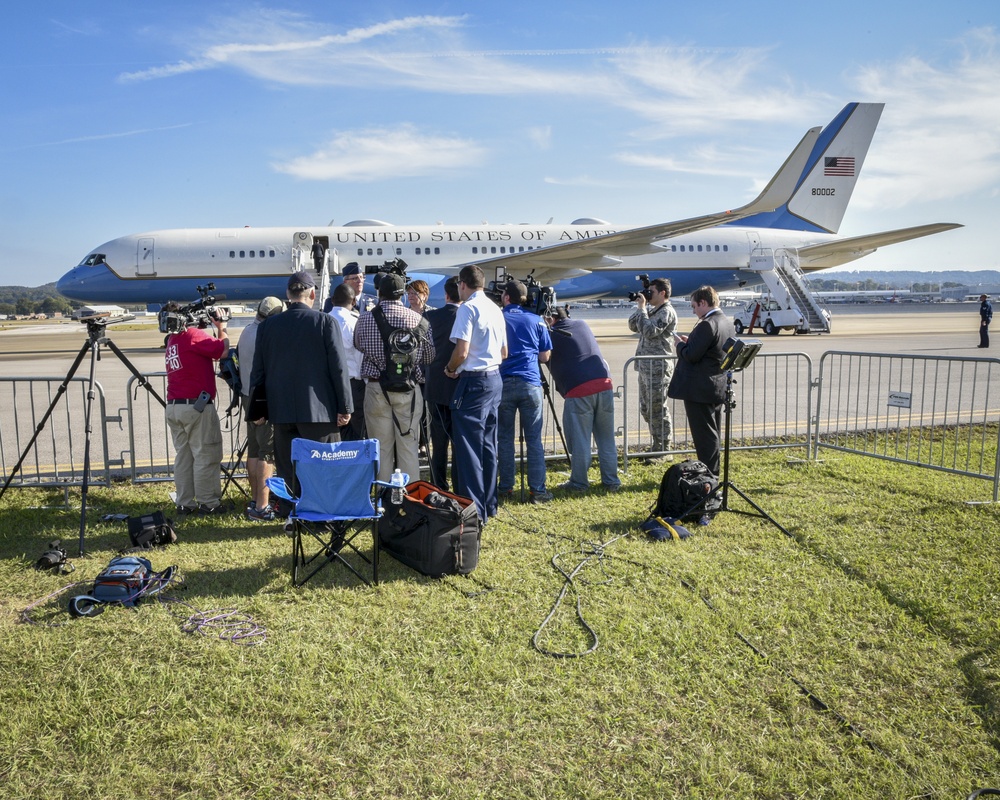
[{"x": 194, "y": 426}]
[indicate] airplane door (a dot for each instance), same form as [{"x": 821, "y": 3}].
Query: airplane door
[
  {"x": 302, "y": 242},
  {"x": 754, "y": 240},
  {"x": 145, "y": 264}
]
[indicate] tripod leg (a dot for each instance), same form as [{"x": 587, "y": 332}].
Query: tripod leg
[
  {"x": 45, "y": 417},
  {"x": 88, "y": 429},
  {"x": 138, "y": 375},
  {"x": 555, "y": 416},
  {"x": 231, "y": 472}
]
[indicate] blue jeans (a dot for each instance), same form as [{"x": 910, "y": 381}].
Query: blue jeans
[
  {"x": 520, "y": 397},
  {"x": 474, "y": 439},
  {"x": 584, "y": 417}
]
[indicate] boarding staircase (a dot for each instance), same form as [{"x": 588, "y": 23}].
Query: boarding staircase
[
  {"x": 786, "y": 282},
  {"x": 302, "y": 260}
]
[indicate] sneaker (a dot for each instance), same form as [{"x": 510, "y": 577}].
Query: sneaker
[
  {"x": 221, "y": 508},
  {"x": 543, "y": 496},
  {"x": 183, "y": 511},
  {"x": 251, "y": 506},
  {"x": 506, "y": 496},
  {"x": 612, "y": 487},
  {"x": 569, "y": 486},
  {"x": 704, "y": 519},
  {"x": 265, "y": 514}
]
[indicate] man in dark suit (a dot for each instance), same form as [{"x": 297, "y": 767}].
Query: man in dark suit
[
  {"x": 698, "y": 378},
  {"x": 437, "y": 388},
  {"x": 300, "y": 363}
]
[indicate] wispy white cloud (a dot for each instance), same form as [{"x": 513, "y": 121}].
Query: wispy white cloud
[
  {"x": 102, "y": 136},
  {"x": 282, "y": 37},
  {"x": 540, "y": 136},
  {"x": 942, "y": 118},
  {"x": 944, "y": 124},
  {"x": 374, "y": 154}
]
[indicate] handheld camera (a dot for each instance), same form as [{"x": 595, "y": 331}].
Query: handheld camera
[
  {"x": 644, "y": 279},
  {"x": 174, "y": 318}
]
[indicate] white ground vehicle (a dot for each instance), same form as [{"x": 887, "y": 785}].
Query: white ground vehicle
[{"x": 770, "y": 317}]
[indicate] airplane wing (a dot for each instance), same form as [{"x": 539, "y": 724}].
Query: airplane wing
[
  {"x": 568, "y": 259},
  {"x": 833, "y": 254}
]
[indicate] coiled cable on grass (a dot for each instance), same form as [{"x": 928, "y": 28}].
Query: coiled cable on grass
[
  {"x": 228, "y": 624},
  {"x": 589, "y": 551}
]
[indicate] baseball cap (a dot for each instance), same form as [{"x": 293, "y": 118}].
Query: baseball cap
[
  {"x": 351, "y": 269},
  {"x": 303, "y": 279},
  {"x": 391, "y": 285},
  {"x": 269, "y": 306}
]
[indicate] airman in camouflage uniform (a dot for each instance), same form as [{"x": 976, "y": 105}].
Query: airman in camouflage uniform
[{"x": 655, "y": 321}]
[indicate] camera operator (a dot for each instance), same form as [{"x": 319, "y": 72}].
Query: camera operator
[
  {"x": 528, "y": 344},
  {"x": 191, "y": 414},
  {"x": 655, "y": 320},
  {"x": 393, "y": 414},
  {"x": 583, "y": 378}
]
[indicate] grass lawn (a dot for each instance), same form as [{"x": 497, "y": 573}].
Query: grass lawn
[{"x": 856, "y": 658}]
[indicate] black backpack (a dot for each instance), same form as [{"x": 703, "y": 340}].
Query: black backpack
[
  {"x": 683, "y": 491},
  {"x": 401, "y": 346}
]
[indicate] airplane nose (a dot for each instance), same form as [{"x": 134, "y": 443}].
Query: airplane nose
[{"x": 66, "y": 281}]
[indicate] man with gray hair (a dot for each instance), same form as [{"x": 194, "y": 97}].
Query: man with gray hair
[{"x": 260, "y": 434}]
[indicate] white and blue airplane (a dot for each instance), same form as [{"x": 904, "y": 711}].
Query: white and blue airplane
[{"x": 800, "y": 211}]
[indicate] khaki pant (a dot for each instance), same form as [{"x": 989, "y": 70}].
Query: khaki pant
[
  {"x": 197, "y": 438},
  {"x": 397, "y": 449}
]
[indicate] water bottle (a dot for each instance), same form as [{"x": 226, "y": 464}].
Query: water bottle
[{"x": 398, "y": 488}]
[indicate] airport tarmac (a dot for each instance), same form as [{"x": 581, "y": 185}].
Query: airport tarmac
[
  {"x": 944, "y": 329},
  {"x": 47, "y": 351}
]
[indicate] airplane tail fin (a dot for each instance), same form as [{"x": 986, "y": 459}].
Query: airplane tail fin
[{"x": 831, "y": 172}]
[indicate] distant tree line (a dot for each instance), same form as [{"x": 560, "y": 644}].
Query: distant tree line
[
  {"x": 24, "y": 300},
  {"x": 871, "y": 285}
]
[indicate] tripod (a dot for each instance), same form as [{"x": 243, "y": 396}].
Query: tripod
[
  {"x": 740, "y": 354},
  {"x": 96, "y": 336}
]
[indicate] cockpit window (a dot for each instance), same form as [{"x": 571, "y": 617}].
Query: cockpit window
[{"x": 93, "y": 260}]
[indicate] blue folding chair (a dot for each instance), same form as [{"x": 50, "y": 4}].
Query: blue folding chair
[{"x": 337, "y": 500}]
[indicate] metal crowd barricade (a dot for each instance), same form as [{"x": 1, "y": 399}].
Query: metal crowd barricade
[
  {"x": 773, "y": 406},
  {"x": 150, "y": 453},
  {"x": 939, "y": 412},
  {"x": 56, "y": 457}
]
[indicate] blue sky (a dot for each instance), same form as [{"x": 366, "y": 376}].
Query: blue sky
[{"x": 122, "y": 117}]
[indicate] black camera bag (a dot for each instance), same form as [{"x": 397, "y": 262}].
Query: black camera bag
[
  {"x": 683, "y": 492},
  {"x": 432, "y": 531},
  {"x": 150, "y": 530}
]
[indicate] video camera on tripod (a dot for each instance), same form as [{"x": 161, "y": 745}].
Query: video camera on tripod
[
  {"x": 395, "y": 267},
  {"x": 175, "y": 318},
  {"x": 540, "y": 299}
]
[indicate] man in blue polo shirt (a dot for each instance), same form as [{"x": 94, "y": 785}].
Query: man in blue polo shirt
[{"x": 528, "y": 344}]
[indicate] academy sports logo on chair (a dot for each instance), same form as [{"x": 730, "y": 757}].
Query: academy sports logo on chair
[{"x": 334, "y": 494}]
